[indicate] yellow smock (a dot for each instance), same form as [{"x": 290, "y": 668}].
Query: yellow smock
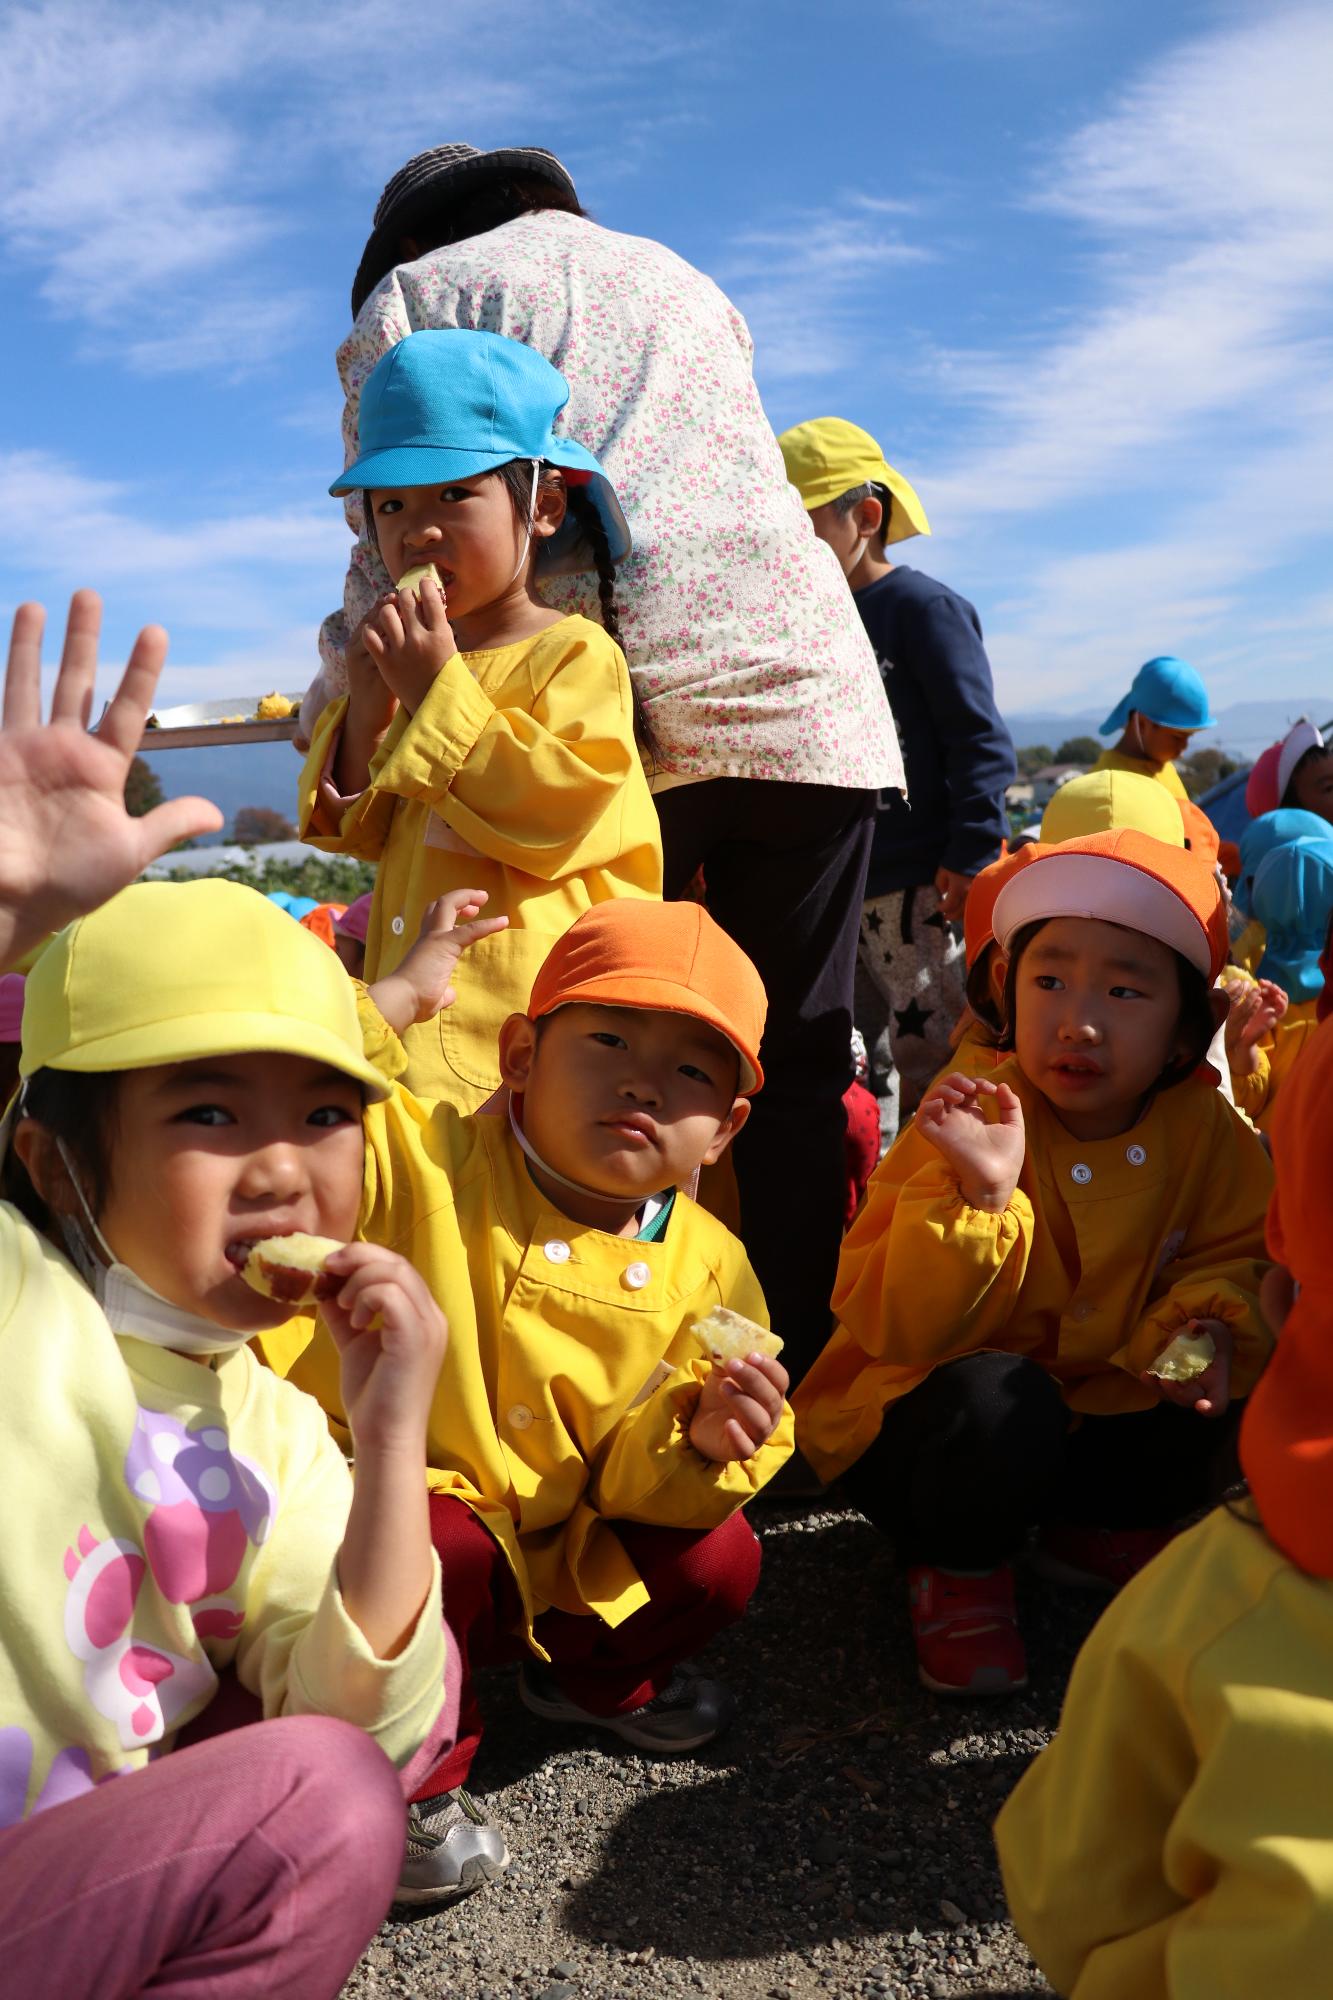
[
  {"x": 1165, "y": 774},
  {"x": 571, "y": 1376},
  {"x": 1278, "y": 1052},
  {"x": 1173, "y": 1843},
  {"x": 1106, "y": 1249},
  {"x": 519, "y": 774}
]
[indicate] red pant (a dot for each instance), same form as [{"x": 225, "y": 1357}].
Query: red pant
[{"x": 698, "y": 1583}]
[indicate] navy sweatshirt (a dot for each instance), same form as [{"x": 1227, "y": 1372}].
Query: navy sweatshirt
[{"x": 957, "y": 753}]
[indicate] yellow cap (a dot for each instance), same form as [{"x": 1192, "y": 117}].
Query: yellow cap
[
  {"x": 167, "y": 972},
  {"x": 828, "y": 457},
  {"x": 1101, "y": 801}
]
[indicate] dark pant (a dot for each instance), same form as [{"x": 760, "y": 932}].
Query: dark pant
[
  {"x": 785, "y": 868},
  {"x": 698, "y": 1583},
  {"x": 986, "y": 1448}
]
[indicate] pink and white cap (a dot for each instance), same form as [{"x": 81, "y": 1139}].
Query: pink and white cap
[{"x": 1266, "y": 786}]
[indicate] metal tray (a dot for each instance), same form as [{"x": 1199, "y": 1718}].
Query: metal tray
[{"x": 198, "y": 723}]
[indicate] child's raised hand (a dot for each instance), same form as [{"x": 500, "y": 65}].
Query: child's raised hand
[
  {"x": 986, "y": 1154},
  {"x": 391, "y": 1338},
  {"x": 1251, "y": 1015},
  {"x": 1277, "y": 997},
  {"x": 367, "y": 693},
  {"x": 66, "y": 840},
  {"x": 418, "y": 988},
  {"x": 739, "y": 1407},
  {"x": 409, "y": 638},
  {"x": 1208, "y": 1394}
]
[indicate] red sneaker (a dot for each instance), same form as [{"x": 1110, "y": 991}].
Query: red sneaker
[
  {"x": 1097, "y": 1558},
  {"x": 967, "y": 1637}
]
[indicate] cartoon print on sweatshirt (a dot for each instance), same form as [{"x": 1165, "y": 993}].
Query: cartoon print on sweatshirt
[
  {"x": 70, "y": 1774},
  {"x": 207, "y": 1509}
]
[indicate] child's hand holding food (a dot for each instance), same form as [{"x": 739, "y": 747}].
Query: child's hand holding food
[
  {"x": 409, "y": 637},
  {"x": 740, "y": 1405}
]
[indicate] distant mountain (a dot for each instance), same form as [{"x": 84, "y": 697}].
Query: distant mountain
[
  {"x": 232, "y": 775},
  {"x": 1244, "y": 727}
]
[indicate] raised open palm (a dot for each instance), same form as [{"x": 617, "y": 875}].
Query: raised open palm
[
  {"x": 66, "y": 840},
  {"x": 985, "y": 1151}
]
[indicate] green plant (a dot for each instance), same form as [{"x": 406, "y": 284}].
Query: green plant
[{"x": 333, "y": 878}]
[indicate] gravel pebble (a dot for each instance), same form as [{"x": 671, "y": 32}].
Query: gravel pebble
[{"x": 835, "y": 1843}]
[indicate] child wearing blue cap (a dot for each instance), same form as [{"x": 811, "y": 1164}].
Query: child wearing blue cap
[
  {"x": 1166, "y": 704},
  {"x": 485, "y": 739},
  {"x": 1286, "y": 884}
]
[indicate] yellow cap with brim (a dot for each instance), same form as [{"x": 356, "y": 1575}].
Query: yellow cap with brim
[
  {"x": 170, "y": 972},
  {"x": 828, "y": 457},
  {"x": 1101, "y": 801}
]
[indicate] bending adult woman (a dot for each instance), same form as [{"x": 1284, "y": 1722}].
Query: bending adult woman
[{"x": 759, "y": 687}]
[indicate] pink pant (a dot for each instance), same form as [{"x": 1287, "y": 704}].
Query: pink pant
[
  {"x": 698, "y": 1583},
  {"x": 256, "y": 1863}
]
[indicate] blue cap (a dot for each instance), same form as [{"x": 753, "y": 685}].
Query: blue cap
[
  {"x": 450, "y": 403},
  {"x": 1292, "y": 897},
  {"x": 1168, "y": 692},
  {"x": 1259, "y": 839}
]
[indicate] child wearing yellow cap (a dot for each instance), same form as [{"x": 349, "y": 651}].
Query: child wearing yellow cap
[
  {"x": 193, "y": 1081},
  {"x": 1030, "y": 1251},
  {"x": 957, "y": 754},
  {"x": 1173, "y": 1839},
  {"x": 588, "y": 1460}
]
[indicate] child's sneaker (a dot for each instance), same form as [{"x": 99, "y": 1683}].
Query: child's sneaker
[
  {"x": 1097, "y": 1558},
  {"x": 966, "y": 1632},
  {"x": 452, "y": 1849},
  {"x": 689, "y": 1712}
]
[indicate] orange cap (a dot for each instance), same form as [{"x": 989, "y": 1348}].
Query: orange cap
[
  {"x": 979, "y": 912},
  {"x": 1124, "y": 877},
  {"x": 669, "y": 956},
  {"x": 1286, "y": 1437},
  {"x": 1201, "y": 836}
]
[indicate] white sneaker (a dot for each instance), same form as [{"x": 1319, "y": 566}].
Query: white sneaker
[{"x": 452, "y": 1850}]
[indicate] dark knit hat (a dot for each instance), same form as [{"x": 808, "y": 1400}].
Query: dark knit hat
[{"x": 427, "y": 184}]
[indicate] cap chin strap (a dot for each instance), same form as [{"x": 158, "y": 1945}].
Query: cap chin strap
[
  {"x": 576, "y": 1187},
  {"x": 527, "y": 536}
]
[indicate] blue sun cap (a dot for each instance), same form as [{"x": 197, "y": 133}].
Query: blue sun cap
[
  {"x": 450, "y": 403},
  {"x": 1261, "y": 837},
  {"x": 1292, "y": 897},
  {"x": 1168, "y": 692}
]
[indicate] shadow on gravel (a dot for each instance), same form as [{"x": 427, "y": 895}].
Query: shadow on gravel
[{"x": 846, "y": 1803}]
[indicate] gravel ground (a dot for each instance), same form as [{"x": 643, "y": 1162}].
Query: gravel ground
[{"x": 836, "y": 1841}]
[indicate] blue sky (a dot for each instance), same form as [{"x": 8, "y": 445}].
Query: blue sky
[{"x": 1071, "y": 260}]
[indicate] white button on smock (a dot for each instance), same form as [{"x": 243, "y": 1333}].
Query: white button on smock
[
  {"x": 556, "y": 1251},
  {"x": 1080, "y": 1172},
  {"x": 398, "y": 926},
  {"x": 1135, "y": 1155},
  {"x": 636, "y": 1276},
  {"x": 520, "y": 1417}
]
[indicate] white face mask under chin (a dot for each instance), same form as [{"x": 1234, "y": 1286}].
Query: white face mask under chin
[{"x": 131, "y": 1306}]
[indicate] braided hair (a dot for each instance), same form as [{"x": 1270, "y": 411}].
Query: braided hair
[{"x": 517, "y": 476}]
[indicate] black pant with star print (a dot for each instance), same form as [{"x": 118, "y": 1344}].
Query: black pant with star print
[{"x": 785, "y": 868}]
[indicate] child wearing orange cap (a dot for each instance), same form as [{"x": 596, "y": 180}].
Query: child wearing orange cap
[
  {"x": 1173, "y": 1839},
  {"x": 588, "y": 1460},
  {"x": 1031, "y": 1249}
]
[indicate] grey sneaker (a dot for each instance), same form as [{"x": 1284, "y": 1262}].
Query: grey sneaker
[
  {"x": 689, "y": 1712},
  {"x": 452, "y": 1849}
]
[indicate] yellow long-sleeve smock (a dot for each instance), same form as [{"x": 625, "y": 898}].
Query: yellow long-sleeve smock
[
  {"x": 1165, "y": 774},
  {"x": 566, "y": 1395},
  {"x": 518, "y": 774},
  {"x": 1173, "y": 1842},
  {"x": 1105, "y": 1250},
  {"x": 1278, "y": 1052}
]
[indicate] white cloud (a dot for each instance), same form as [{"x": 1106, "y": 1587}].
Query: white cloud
[
  {"x": 1208, "y": 190},
  {"x": 158, "y": 161},
  {"x": 808, "y": 283},
  {"x": 226, "y": 572},
  {"x": 983, "y": 28}
]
